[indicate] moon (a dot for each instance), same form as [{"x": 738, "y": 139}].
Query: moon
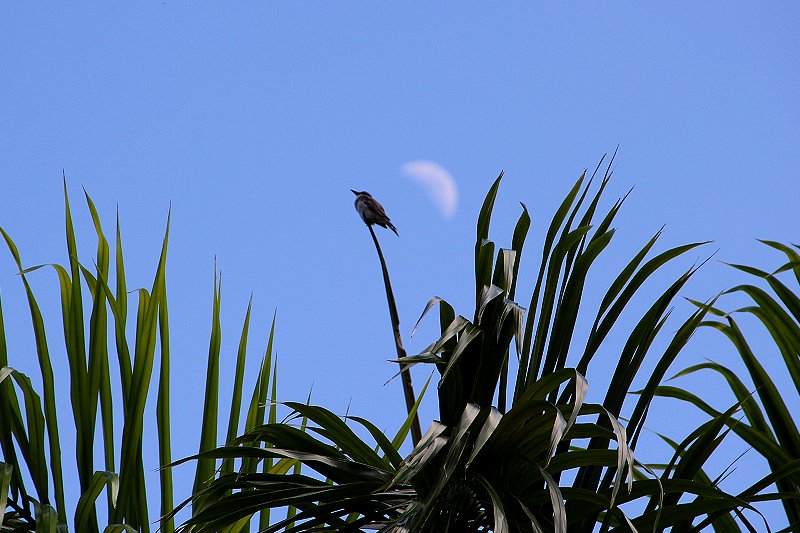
[{"x": 437, "y": 182}]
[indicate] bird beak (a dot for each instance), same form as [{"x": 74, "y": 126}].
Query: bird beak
[{"x": 354, "y": 192}]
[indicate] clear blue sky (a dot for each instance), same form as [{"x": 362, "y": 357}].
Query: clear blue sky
[{"x": 254, "y": 122}]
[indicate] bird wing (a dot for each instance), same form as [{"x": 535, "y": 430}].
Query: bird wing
[{"x": 378, "y": 208}]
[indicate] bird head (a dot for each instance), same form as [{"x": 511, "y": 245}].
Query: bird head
[{"x": 359, "y": 193}]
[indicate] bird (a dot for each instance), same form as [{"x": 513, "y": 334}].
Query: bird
[{"x": 371, "y": 211}]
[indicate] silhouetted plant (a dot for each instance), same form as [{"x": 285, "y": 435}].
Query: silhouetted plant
[
  {"x": 516, "y": 448},
  {"x": 30, "y": 437},
  {"x": 488, "y": 465}
]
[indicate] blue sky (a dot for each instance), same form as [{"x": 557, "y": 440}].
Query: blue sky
[{"x": 254, "y": 122}]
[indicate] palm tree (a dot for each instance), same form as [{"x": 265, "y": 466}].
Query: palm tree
[
  {"x": 517, "y": 447},
  {"x": 32, "y": 493},
  {"x": 766, "y": 424}
]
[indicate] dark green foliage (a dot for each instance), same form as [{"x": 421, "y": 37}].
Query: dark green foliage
[
  {"x": 490, "y": 466},
  {"x": 766, "y": 424},
  {"x": 517, "y": 447},
  {"x": 29, "y": 436}
]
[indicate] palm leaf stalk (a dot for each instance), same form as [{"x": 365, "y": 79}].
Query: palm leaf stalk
[{"x": 408, "y": 388}]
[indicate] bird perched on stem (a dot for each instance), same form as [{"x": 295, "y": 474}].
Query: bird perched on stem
[{"x": 371, "y": 211}]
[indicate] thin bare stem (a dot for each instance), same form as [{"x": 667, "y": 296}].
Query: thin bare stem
[{"x": 408, "y": 388}]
